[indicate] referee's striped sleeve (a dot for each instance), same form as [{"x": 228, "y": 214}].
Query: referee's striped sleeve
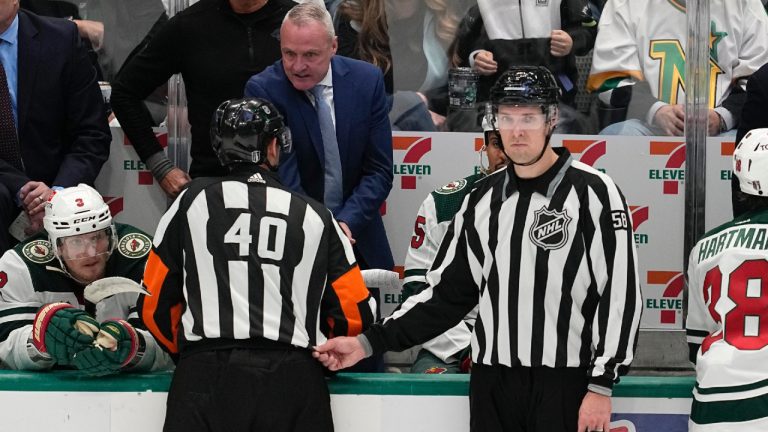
[
  {"x": 161, "y": 310},
  {"x": 451, "y": 294},
  {"x": 614, "y": 264}
]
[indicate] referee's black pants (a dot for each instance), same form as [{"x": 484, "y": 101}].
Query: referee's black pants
[
  {"x": 524, "y": 399},
  {"x": 244, "y": 390}
]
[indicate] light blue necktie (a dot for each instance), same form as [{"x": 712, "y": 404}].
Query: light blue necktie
[{"x": 333, "y": 186}]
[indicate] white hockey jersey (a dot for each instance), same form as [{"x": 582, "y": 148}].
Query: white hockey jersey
[
  {"x": 31, "y": 276},
  {"x": 645, "y": 40},
  {"x": 432, "y": 222},
  {"x": 727, "y": 326}
]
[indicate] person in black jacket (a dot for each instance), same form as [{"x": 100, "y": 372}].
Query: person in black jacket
[
  {"x": 752, "y": 117},
  {"x": 496, "y": 35},
  {"x": 216, "y": 45},
  {"x": 53, "y": 131}
]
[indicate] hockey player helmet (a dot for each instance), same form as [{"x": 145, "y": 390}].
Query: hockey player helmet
[
  {"x": 242, "y": 129},
  {"x": 77, "y": 218},
  {"x": 750, "y": 163}
]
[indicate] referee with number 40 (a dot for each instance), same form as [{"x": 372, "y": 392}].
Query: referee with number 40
[
  {"x": 545, "y": 248},
  {"x": 245, "y": 278}
]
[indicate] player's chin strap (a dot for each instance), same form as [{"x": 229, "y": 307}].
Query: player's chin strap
[{"x": 484, "y": 169}]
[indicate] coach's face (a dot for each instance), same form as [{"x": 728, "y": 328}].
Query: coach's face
[
  {"x": 307, "y": 50},
  {"x": 8, "y": 10}
]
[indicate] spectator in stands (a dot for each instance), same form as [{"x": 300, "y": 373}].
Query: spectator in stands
[
  {"x": 409, "y": 40},
  {"x": 449, "y": 352},
  {"x": 497, "y": 34},
  {"x": 216, "y": 45},
  {"x": 753, "y": 116},
  {"x": 337, "y": 111},
  {"x": 116, "y": 28},
  {"x": 53, "y": 132},
  {"x": 638, "y": 64},
  {"x": 46, "y": 322},
  {"x": 126, "y": 22},
  {"x": 596, "y": 6}
]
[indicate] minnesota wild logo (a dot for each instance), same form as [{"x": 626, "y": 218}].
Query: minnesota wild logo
[
  {"x": 134, "y": 245},
  {"x": 452, "y": 187},
  {"x": 38, "y": 251}
]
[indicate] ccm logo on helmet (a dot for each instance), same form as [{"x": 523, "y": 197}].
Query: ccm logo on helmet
[{"x": 85, "y": 219}]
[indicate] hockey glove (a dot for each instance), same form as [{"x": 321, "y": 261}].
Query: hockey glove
[
  {"x": 60, "y": 330},
  {"x": 116, "y": 346}
]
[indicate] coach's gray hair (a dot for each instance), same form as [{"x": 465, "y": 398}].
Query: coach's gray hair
[{"x": 312, "y": 10}]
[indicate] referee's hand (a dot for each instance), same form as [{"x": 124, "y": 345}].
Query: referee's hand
[
  {"x": 339, "y": 353},
  {"x": 595, "y": 413}
]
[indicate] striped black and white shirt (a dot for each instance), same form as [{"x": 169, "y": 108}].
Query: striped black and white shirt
[
  {"x": 241, "y": 259},
  {"x": 551, "y": 263}
]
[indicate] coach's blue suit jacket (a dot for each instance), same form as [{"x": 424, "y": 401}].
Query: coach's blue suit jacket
[
  {"x": 62, "y": 126},
  {"x": 365, "y": 147}
]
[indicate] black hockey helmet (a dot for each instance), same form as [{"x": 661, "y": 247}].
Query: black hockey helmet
[
  {"x": 241, "y": 129},
  {"x": 526, "y": 85}
]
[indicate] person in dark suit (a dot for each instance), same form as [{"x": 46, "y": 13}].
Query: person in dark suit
[
  {"x": 53, "y": 127},
  {"x": 752, "y": 117},
  {"x": 353, "y": 92}
]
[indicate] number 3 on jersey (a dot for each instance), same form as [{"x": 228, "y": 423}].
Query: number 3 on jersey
[
  {"x": 271, "y": 242},
  {"x": 745, "y": 325}
]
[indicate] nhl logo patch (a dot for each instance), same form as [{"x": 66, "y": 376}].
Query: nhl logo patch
[
  {"x": 550, "y": 228},
  {"x": 134, "y": 245},
  {"x": 452, "y": 187},
  {"x": 38, "y": 251}
]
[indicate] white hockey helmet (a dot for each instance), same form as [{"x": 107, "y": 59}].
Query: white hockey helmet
[
  {"x": 74, "y": 211},
  {"x": 750, "y": 162}
]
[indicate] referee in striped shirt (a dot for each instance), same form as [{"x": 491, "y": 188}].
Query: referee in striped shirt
[
  {"x": 545, "y": 248},
  {"x": 245, "y": 277}
]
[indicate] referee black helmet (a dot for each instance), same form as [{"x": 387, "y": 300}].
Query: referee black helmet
[
  {"x": 526, "y": 85},
  {"x": 242, "y": 129}
]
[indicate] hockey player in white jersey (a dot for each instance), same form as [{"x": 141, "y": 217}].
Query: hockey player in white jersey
[
  {"x": 638, "y": 64},
  {"x": 727, "y": 325},
  {"x": 45, "y": 319},
  {"x": 449, "y": 352}
]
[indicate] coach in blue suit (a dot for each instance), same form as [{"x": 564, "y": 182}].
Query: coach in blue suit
[
  {"x": 58, "y": 113},
  {"x": 355, "y": 92}
]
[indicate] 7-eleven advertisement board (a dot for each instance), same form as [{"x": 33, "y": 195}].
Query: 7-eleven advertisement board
[
  {"x": 650, "y": 171},
  {"x": 128, "y": 187},
  {"x": 719, "y": 154}
]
